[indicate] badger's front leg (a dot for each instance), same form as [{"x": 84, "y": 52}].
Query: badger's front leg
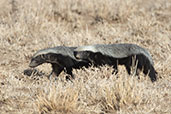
[
  {"x": 56, "y": 69},
  {"x": 68, "y": 70}
]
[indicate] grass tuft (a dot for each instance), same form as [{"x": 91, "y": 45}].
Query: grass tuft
[{"x": 64, "y": 101}]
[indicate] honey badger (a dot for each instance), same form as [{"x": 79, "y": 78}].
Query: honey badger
[
  {"x": 118, "y": 54},
  {"x": 60, "y": 57}
]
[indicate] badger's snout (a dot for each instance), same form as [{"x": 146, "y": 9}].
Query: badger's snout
[{"x": 33, "y": 64}]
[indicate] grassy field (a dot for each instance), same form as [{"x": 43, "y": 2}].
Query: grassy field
[{"x": 29, "y": 25}]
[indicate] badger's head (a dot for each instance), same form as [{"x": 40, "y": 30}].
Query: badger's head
[
  {"x": 86, "y": 53},
  {"x": 39, "y": 58},
  {"x": 82, "y": 55},
  {"x": 36, "y": 61},
  {"x": 49, "y": 55}
]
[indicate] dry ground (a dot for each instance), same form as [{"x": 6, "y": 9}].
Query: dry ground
[{"x": 29, "y": 25}]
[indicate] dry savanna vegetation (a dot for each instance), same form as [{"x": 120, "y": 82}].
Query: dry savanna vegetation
[{"x": 29, "y": 25}]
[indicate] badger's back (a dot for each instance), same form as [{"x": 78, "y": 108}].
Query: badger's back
[{"x": 117, "y": 50}]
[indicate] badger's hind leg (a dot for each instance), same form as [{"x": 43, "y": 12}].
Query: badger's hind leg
[
  {"x": 127, "y": 62},
  {"x": 128, "y": 68},
  {"x": 139, "y": 63},
  {"x": 132, "y": 63}
]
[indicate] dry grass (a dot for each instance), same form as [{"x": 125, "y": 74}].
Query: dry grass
[{"x": 27, "y": 26}]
